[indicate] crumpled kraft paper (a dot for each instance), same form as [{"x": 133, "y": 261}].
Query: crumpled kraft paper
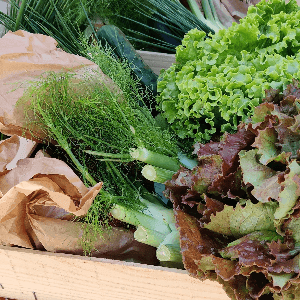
[
  {"x": 41, "y": 186},
  {"x": 24, "y": 58},
  {"x": 39, "y": 199}
]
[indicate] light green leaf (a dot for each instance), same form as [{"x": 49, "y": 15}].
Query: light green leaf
[
  {"x": 291, "y": 191},
  {"x": 281, "y": 279},
  {"x": 221, "y": 221},
  {"x": 254, "y": 172},
  {"x": 265, "y": 143},
  {"x": 252, "y": 217},
  {"x": 240, "y": 221}
]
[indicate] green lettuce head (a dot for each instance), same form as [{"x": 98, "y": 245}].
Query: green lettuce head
[{"x": 217, "y": 81}]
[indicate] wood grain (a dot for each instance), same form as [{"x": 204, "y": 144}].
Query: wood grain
[{"x": 29, "y": 275}]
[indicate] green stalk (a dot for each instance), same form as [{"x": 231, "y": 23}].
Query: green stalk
[
  {"x": 110, "y": 155},
  {"x": 145, "y": 195},
  {"x": 155, "y": 159},
  {"x": 156, "y": 174},
  {"x": 215, "y": 15},
  {"x": 169, "y": 253},
  {"x": 79, "y": 166},
  {"x": 138, "y": 218},
  {"x": 20, "y": 14},
  {"x": 209, "y": 15},
  {"x": 173, "y": 238},
  {"x": 196, "y": 10},
  {"x": 173, "y": 226},
  {"x": 149, "y": 237},
  {"x": 64, "y": 144},
  {"x": 159, "y": 212},
  {"x": 187, "y": 162}
]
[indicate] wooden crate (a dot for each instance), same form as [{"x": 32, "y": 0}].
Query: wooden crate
[
  {"x": 35, "y": 275},
  {"x": 29, "y": 275}
]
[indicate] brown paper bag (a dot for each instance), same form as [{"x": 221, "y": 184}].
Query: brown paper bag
[
  {"x": 24, "y": 58},
  {"x": 39, "y": 199}
]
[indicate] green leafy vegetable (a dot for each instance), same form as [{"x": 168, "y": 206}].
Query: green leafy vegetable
[
  {"x": 62, "y": 20},
  {"x": 244, "y": 233},
  {"x": 216, "y": 83}
]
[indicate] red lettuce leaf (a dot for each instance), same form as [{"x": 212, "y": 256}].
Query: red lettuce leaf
[{"x": 238, "y": 211}]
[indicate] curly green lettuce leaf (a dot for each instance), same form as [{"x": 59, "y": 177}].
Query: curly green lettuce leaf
[{"x": 218, "y": 81}]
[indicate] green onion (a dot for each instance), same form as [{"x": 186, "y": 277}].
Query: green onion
[
  {"x": 160, "y": 212},
  {"x": 169, "y": 253},
  {"x": 147, "y": 236},
  {"x": 209, "y": 15},
  {"x": 196, "y": 10},
  {"x": 155, "y": 159},
  {"x": 20, "y": 14},
  {"x": 157, "y": 174},
  {"x": 215, "y": 15},
  {"x": 138, "y": 218}
]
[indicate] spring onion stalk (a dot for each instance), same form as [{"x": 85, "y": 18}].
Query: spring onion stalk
[
  {"x": 168, "y": 253},
  {"x": 173, "y": 238},
  {"x": 20, "y": 14},
  {"x": 148, "y": 236},
  {"x": 155, "y": 159},
  {"x": 137, "y": 218},
  {"x": 162, "y": 213},
  {"x": 195, "y": 10},
  {"x": 209, "y": 15},
  {"x": 215, "y": 15},
  {"x": 156, "y": 174},
  {"x": 210, "y": 19},
  {"x": 145, "y": 195},
  {"x": 187, "y": 162}
]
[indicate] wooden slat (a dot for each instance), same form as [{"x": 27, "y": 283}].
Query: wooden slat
[
  {"x": 157, "y": 61},
  {"x": 28, "y": 275}
]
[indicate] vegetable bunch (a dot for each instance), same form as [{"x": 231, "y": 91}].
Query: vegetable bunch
[
  {"x": 216, "y": 83},
  {"x": 238, "y": 210},
  {"x": 105, "y": 129}
]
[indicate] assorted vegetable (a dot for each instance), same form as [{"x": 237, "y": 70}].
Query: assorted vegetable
[
  {"x": 233, "y": 93},
  {"x": 106, "y": 141}
]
